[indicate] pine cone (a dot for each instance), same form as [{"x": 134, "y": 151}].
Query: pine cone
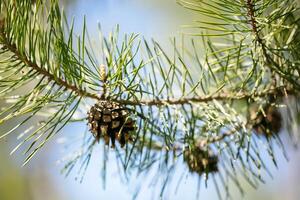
[
  {"x": 268, "y": 123},
  {"x": 200, "y": 161},
  {"x": 110, "y": 121}
]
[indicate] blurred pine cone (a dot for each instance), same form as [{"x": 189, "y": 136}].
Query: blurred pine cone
[
  {"x": 268, "y": 122},
  {"x": 200, "y": 161}
]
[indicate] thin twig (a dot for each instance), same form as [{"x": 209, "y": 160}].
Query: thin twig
[
  {"x": 207, "y": 98},
  {"x": 273, "y": 66}
]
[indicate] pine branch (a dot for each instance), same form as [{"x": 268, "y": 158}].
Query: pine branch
[
  {"x": 223, "y": 97},
  {"x": 7, "y": 45}
]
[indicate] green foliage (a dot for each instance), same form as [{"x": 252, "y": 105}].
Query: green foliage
[{"x": 177, "y": 98}]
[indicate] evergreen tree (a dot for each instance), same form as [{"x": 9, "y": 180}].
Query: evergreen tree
[{"x": 152, "y": 106}]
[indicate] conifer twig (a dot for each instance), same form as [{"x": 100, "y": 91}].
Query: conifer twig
[{"x": 155, "y": 102}]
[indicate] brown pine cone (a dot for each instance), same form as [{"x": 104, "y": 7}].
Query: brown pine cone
[{"x": 111, "y": 121}]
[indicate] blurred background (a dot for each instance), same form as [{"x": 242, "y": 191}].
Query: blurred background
[{"x": 42, "y": 178}]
